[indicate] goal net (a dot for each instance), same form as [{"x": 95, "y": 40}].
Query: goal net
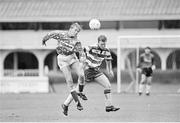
[{"x": 130, "y": 47}]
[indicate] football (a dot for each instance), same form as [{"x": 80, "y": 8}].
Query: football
[{"x": 94, "y": 24}]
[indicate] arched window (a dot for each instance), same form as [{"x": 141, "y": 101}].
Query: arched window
[
  {"x": 21, "y": 64},
  {"x": 21, "y": 60},
  {"x": 51, "y": 61},
  {"x": 173, "y": 60}
]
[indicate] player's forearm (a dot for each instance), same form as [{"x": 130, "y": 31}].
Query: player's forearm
[
  {"x": 45, "y": 39},
  {"x": 52, "y": 34},
  {"x": 108, "y": 66}
]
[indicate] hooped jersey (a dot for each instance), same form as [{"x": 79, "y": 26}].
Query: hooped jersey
[
  {"x": 146, "y": 60},
  {"x": 66, "y": 45},
  {"x": 95, "y": 56}
]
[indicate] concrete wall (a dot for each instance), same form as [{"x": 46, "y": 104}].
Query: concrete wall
[
  {"x": 30, "y": 41},
  {"x": 33, "y": 39}
]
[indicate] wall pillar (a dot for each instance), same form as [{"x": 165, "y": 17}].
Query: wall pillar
[
  {"x": 41, "y": 56},
  {"x": 163, "y": 64},
  {"x": 41, "y": 66},
  {"x": 1, "y": 65},
  {"x": 163, "y": 54}
]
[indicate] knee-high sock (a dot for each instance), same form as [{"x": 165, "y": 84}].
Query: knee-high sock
[
  {"x": 81, "y": 87},
  {"x": 75, "y": 96},
  {"x": 81, "y": 81},
  {"x": 68, "y": 100},
  {"x": 148, "y": 88},
  {"x": 141, "y": 87},
  {"x": 108, "y": 97}
]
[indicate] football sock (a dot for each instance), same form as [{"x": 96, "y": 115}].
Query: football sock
[
  {"x": 68, "y": 100},
  {"x": 108, "y": 98},
  {"x": 148, "y": 88},
  {"x": 141, "y": 86},
  {"x": 75, "y": 96},
  {"x": 81, "y": 87},
  {"x": 81, "y": 80}
]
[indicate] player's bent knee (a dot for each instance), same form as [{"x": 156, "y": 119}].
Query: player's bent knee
[
  {"x": 71, "y": 88},
  {"x": 81, "y": 74},
  {"x": 70, "y": 85},
  {"x": 81, "y": 79}
]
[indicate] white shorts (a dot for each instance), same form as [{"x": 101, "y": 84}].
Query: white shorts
[{"x": 64, "y": 60}]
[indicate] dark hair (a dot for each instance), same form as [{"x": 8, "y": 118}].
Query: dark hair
[{"x": 102, "y": 38}]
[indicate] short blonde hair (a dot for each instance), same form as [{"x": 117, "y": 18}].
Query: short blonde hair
[{"x": 76, "y": 25}]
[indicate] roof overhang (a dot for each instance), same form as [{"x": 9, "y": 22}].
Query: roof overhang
[{"x": 70, "y": 19}]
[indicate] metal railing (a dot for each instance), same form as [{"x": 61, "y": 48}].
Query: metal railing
[{"x": 20, "y": 72}]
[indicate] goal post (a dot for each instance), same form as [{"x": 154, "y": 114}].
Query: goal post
[
  {"x": 118, "y": 67},
  {"x": 135, "y": 42},
  {"x": 137, "y": 73}
]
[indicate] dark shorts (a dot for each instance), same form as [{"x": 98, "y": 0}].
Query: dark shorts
[
  {"x": 147, "y": 71},
  {"x": 91, "y": 74}
]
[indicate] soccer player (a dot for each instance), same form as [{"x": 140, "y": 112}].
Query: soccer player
[
  {"x": 146, "y": 67},
  {"x": 94, "y": 57},
  {"x": 68, "y": 45}
]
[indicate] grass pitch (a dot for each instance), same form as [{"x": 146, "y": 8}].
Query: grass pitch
[{"x": 162, "y": 105}]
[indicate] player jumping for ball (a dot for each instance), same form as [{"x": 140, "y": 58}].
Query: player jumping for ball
[
  {"x": 146, "y": 67},
  {"x": 68, "y": 45},
  {"x": 94, "y": 57}
]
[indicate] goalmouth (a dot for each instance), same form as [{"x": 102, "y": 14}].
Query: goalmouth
[{"x": 136, "y": 42}]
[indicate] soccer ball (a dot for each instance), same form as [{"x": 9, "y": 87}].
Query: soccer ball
[{"x": 94, "y": 24}]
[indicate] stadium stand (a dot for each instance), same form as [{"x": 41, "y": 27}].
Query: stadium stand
[{"x": 83, "y": 10}]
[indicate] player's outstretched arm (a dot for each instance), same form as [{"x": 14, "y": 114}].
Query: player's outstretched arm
[
  {"x": 45, "y": 38},
  {"x": 52, "y": 34}
]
